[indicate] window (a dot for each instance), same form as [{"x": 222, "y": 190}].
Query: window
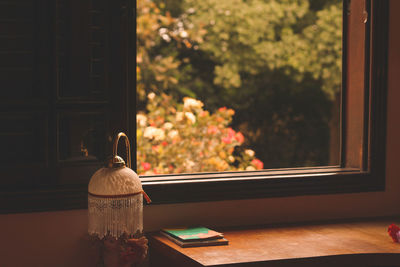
[
  {"x": 260, "y": 94},
  {"x": 76, "y": 60},
  {"x": 360, "y": 168}
]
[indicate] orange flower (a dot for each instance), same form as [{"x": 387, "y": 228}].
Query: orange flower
[
  {"x": 187, "y": 43},
  {"x": 212, "y": 129},
  {"x": 204, "y": 113},
  {"x": 160, "y": 120}
]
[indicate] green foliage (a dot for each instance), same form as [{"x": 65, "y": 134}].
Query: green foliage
[
  {"x": 323, "y": 54},
  {"x": 245, "y": 37},
  {"x": 159, "y": 39},
  {"x": 276, "y": 62}
]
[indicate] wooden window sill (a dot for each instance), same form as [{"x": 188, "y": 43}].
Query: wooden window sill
[{"x": 361, "y": 243}]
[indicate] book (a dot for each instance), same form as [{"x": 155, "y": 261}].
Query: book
[
  {"x": 195, "y": 237},
  {"x": 193, "y": 233}
]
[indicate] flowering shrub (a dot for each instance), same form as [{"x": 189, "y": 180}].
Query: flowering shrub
[{"x": 183, "y": 137}]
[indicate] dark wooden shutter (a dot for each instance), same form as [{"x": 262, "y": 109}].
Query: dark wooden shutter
[{"x": 63, "y": 96}]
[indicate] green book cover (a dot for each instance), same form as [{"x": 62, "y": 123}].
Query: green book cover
[{"x": 193, "y": 233}]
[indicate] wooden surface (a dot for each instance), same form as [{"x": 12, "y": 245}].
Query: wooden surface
[{"x": 335, "y": 244}]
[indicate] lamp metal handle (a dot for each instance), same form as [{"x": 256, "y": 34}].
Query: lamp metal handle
[{"x": 127, "y": 147}]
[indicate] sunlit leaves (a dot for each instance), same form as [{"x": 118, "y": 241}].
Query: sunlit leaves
[{"x": 276, "y": 62}]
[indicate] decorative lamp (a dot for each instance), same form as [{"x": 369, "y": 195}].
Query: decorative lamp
[{"x": 115, "y": 198}]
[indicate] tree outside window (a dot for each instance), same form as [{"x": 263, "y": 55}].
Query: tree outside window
[{"x": 238, "y": 85}]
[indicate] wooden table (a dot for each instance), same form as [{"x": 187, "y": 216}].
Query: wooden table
[{"x": 363, "y": 243}]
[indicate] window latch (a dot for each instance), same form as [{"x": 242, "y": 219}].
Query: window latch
[
  {"x": 365, "y": 16},
  {"x": 365, "y": 13}
]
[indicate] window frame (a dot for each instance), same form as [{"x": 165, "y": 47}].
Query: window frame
[{"x": 362, "y": 167}]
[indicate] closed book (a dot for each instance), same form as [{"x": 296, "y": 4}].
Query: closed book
[
  {"x": 193, "y": 233},
  {"x": 196, "y": 242}
]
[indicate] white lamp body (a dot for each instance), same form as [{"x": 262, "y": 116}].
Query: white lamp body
[{"x": 115, "y": 203}]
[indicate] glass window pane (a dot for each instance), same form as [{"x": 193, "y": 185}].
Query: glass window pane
[
  {"x": 238, "y": 85},
  {"x": 81, "y": 136}
]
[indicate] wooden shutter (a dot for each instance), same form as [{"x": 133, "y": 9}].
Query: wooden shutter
[{"x": 63, "y": 96}]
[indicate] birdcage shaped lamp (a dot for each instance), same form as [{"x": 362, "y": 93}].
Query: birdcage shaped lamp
[{"x": 115, "y": 198}]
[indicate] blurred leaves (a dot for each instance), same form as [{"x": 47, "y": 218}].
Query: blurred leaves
[{"x": 277, "y": 63}]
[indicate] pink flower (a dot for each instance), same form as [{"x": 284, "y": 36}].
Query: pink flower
[
  {"x": 258, "y": 164},
  {"x": 239, "y": 137},
  {"x": 226, "y": 140},
  {"x": 146, "y": 166},
  {"x": 231, "y": 133},
  {"x": 393, "y": 232},
  {"x": 226, "y": 110}
]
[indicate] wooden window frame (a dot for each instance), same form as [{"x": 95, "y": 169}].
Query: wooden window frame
[
  {"x": 363, "y": 119},
  {"x": 362, "y": 167}
]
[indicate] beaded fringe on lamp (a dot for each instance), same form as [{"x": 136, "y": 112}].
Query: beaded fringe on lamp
[{"x": 115, "y": 216}]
